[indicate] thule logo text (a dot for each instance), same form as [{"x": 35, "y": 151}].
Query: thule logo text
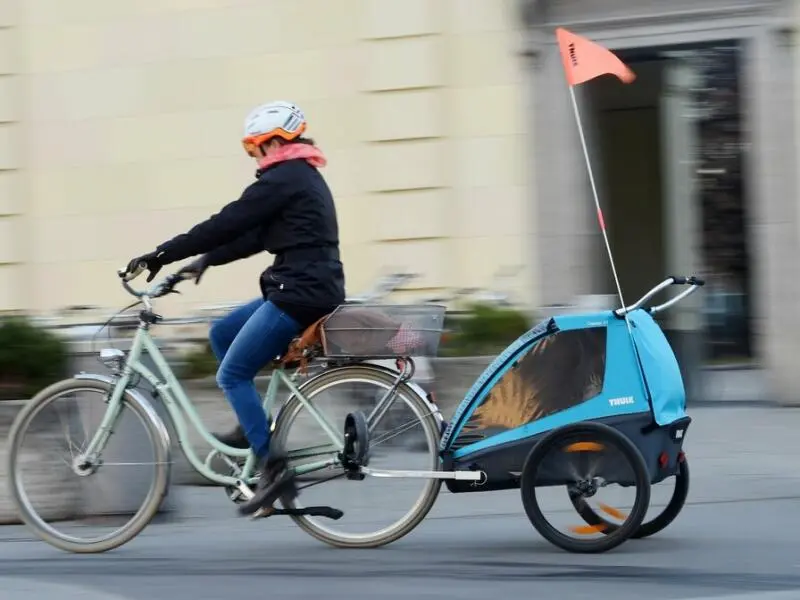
[{"x": 621, "y": 401}]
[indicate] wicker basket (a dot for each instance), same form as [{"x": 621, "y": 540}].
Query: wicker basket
[{"x": 383, "y": 331}]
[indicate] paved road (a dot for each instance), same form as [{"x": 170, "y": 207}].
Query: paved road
[{"x": 737, "y": 539}]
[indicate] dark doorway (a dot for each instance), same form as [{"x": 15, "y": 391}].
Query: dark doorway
[{"x": 668, "y": 153}]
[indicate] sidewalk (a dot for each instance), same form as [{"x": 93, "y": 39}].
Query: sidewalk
[{"x": 734, "y": 385}]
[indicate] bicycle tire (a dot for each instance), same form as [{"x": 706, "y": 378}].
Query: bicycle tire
[
  {"x": 606, "y": 434},
  {"x": 140, "y": 519},
  {"x": 384, "y": 379},
  {"x": 673, "y": 508}
]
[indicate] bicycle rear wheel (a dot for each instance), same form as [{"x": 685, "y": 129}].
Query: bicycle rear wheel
[
  {"x": 61, "y": 431},
  {"x": 406, "y": 501}
]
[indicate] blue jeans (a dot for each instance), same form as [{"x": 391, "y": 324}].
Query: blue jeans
[{"x": 244, "y": 341}]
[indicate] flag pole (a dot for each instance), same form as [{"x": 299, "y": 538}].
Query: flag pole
[
  {"x": 585, "y": 60},
  {"x": 600, "y": 218}
]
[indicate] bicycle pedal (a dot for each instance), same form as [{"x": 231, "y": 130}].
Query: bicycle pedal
[{"x": 263, "y": 513}]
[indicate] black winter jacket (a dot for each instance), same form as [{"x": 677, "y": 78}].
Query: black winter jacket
[{"x": 289, "y": 212}]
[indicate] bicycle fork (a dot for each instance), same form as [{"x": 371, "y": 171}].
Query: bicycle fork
[{"x": 87, "y": 461}]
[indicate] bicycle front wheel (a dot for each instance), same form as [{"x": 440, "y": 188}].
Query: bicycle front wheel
[
  {"x": 377, "y": 511},
  {"x": 60, "y": 492}
]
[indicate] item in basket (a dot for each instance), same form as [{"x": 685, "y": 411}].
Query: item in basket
[
  {"x": 359, "y": 332},
  {"x": 406, "y": 340}
]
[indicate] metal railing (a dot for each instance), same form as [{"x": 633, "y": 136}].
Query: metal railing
[{"x": 82, "y": 323}]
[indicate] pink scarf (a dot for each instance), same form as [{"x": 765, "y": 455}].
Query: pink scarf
[{"x": 311, "y": 154}]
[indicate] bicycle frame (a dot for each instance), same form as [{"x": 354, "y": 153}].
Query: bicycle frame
[{"x": 180, "y": 409}]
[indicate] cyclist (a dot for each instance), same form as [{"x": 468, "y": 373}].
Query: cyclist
[{"x": 288, "y": 211}]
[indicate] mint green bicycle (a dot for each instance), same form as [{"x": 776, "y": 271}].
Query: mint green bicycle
[{"x": 338, "y": 463}]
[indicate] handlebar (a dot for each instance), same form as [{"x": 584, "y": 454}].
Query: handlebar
[
  {"x": 694, "y": 282},
  {"x": 159, "y": 289}
]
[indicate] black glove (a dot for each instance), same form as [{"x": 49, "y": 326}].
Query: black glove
[
  {"x": 151, "y": 261},
  {"x": 196, "y": 268}
]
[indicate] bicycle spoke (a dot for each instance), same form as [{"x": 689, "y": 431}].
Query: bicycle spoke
[
  {"x": 65, "y": 424},
  {"x": 396, "y": 431},
  {"x": 314, "y": 451},
  {"x": 136, "y": 464}
]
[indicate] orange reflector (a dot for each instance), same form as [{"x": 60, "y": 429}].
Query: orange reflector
[
  {"x": 584, "y": 447},
  {"x": 610, "y": 510},
  {"x": 587, "y": 529}
]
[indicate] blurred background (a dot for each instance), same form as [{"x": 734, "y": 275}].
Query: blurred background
[
  {"x": 459, "y": 177},
  {"x": 453, "y": 155}
]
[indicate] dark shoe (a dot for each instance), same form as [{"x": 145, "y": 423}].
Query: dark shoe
[
  {"x": 234, "y": 438},
  {"x": 276, "y": 481}
]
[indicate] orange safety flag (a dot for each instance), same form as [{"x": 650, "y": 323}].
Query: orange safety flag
[{"x": 584, "y": 60}]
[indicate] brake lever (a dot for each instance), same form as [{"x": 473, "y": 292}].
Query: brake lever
[{"x": 130, "y": 276}]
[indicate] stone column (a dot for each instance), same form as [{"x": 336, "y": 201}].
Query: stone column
[
  {"x": 770, "y": 77},
  {"x": 682, "y": 219}
]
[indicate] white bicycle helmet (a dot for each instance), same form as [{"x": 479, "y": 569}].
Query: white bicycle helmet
[{"x": 274, "y": 119}]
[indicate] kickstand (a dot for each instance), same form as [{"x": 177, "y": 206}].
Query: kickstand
[{"x": 311, "y": 511}]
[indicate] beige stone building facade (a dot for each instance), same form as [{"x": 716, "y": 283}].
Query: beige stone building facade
[
  {"x": 121, "y": 124},
  {"x": 452, "y": 146}
]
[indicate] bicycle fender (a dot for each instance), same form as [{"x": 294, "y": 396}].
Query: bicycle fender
[
  {"x": 414, "y": 386},
  {"x": 435, "y": 411}
]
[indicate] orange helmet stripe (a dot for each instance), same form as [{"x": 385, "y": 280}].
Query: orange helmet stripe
[{"x": 252, "y": 142}]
